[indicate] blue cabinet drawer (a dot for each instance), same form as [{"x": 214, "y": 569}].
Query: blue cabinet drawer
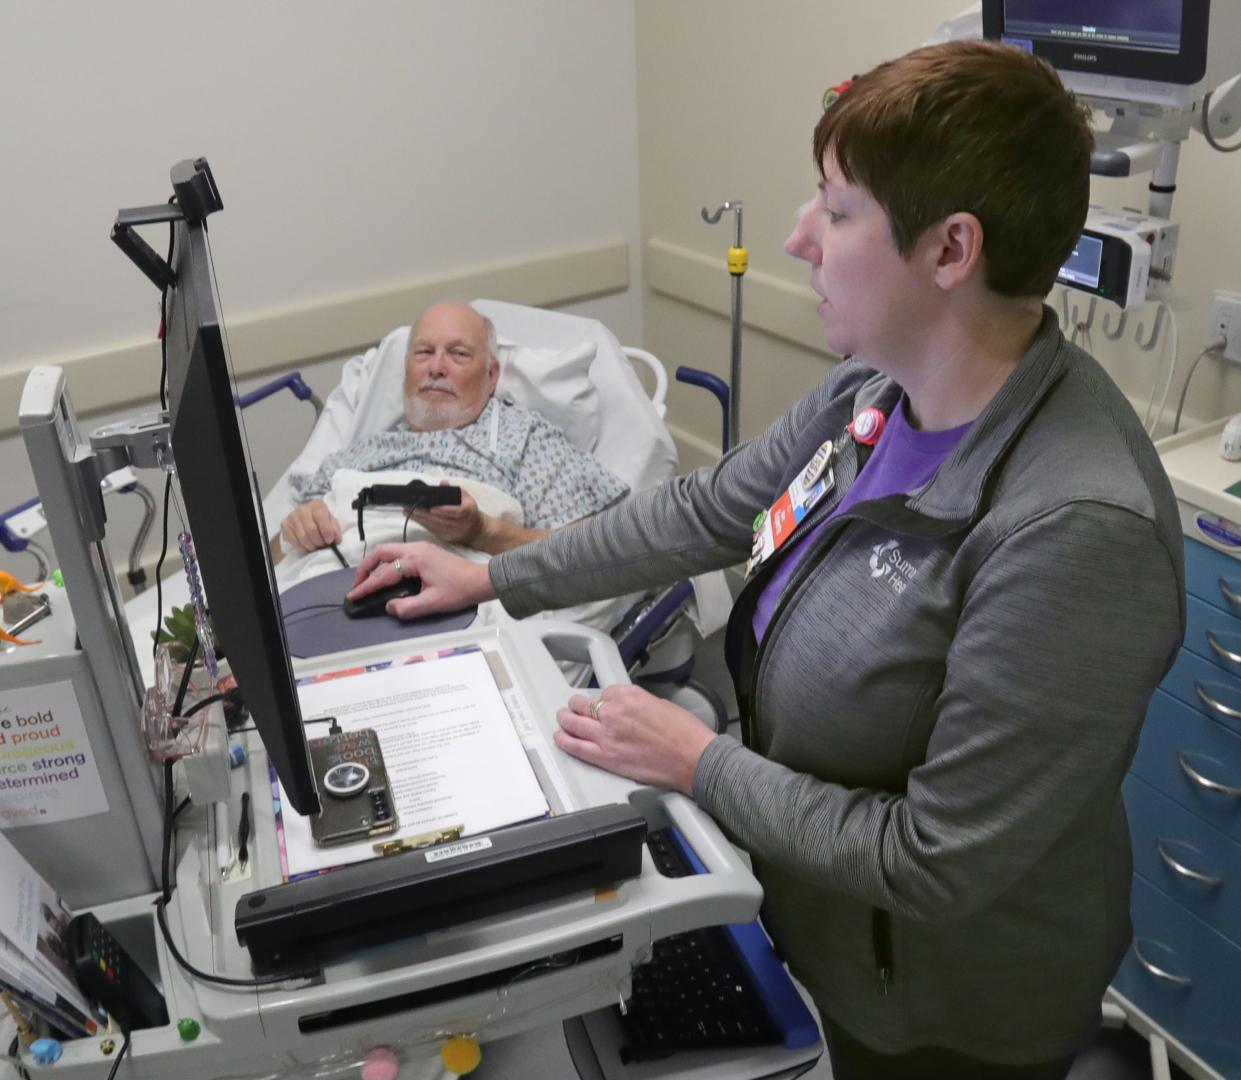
[
  {"x": 1213, "y": 635},
  {"x": 1192, "y": 760},
  {"x": 1194, "y": 864},
  {"x": 1212, "y": 576},
  {"x": 1205, "y": 688},
  {"x": 1183, "y": 975}
]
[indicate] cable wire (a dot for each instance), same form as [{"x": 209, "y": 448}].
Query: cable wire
[
  {"x": 159, "y": 570},
  {"x": 1180, "y": 405},
  {"x": 161, "y": 903},
  {"x": 1152, "y": 424},
  {"x": 119, "y": 1057}
]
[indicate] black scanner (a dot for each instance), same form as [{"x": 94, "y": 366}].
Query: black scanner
[{"x": 365, "y": 607}]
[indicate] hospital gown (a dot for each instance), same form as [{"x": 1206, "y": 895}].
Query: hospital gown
[{"x": 508, "y": 447}]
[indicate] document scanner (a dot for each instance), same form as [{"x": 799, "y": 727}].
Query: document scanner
[{"x": 285, "y": 927}]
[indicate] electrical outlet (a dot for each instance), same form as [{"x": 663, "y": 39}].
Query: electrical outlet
[{"x": 1225, "y": 320}]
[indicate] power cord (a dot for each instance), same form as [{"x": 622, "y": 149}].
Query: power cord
[
  {"x": 159, "y": 569},
  {"x": 166, "y": 888},
  {"x": 119, "y": 1057},
  {"x": 1151, "y": 424},
  {"x": 1217, "y": 346}
]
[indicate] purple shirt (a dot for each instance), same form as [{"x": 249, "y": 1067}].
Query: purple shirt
[{"x": 903, "y": 460}]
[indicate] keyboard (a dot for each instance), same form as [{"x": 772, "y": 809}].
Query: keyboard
[{"x": 713, "y": 988}]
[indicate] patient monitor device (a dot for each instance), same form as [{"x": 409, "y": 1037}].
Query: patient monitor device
[
  {"x": 1157, "y": 69},
  {"x": 499, "y": 932}
]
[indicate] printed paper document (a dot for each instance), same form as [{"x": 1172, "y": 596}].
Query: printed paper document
[{"x": 452, "y": 753}]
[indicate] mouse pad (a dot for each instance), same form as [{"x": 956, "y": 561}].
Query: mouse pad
[{"x": 312, "y": 630}]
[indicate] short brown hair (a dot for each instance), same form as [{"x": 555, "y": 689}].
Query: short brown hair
[{"x": 977, "y": 127}]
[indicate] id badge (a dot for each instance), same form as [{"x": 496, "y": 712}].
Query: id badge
[{"x": 775, "y": 525}]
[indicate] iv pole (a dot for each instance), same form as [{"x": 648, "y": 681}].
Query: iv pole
[{"x": 738, "y": 262}]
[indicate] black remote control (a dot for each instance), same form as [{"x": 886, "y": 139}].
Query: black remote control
[{"x": 107, "y": 975}]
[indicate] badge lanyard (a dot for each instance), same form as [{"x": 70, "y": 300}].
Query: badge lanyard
[{"x": 814, "y": 483}]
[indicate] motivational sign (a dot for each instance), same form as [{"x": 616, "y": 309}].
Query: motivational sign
[{"x": 48, "y": 771}]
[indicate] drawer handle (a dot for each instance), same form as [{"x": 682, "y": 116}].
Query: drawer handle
[
  {"x": 1203, "y": 781},
  {"x": 1229, "y": 595},
  {"x": 1221, "y": 652},
  {"x": 1215, "y": 706},
  {"x": 1158, "y": 972},
  {"x": 1185, "y": 871}
]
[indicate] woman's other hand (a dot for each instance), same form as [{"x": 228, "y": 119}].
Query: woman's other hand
[
  {"x": 631, "y": 732},
  {"x": 449, "y": 582}
]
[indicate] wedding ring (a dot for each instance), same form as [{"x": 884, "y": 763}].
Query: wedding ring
[
  {"x": 397, "y": 564},
  {"x": 594, "y": 709}
]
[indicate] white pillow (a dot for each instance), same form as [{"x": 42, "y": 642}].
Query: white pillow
[{"x": 555, "y": 383}]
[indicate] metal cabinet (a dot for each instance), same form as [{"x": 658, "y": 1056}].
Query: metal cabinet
[{"x": 1183, "y": 798}]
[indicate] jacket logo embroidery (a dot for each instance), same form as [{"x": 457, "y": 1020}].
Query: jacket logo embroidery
[{"x": 887, "y": 562}]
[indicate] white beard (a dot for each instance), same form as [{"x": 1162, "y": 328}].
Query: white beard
[{"x": 450, "y": 412}]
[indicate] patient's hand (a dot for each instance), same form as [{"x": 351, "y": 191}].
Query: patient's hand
[
  {"x": 449, "y": 582},
  {"x": 468, "y": 526},
  {"x": 311, "y": 526},
  {"x": 453, "y": 524}
]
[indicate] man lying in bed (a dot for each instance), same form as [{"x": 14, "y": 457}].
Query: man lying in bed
[{"x": 454, "y": 426}]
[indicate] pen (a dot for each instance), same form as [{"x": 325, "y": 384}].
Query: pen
[
  {"x": 223, "y": 849},
  {"x": 243, "y": 832}
]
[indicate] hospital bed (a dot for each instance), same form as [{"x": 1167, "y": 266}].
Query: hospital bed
[{"x": 573, "y": 372}]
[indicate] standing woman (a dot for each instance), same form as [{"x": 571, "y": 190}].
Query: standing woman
[{"x": 943, "y": 666}]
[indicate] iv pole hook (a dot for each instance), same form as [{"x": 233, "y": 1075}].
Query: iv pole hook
[{"x": 713, "y": 219}]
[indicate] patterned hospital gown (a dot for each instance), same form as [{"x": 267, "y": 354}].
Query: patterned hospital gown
[{"x": 554, "y": 481}]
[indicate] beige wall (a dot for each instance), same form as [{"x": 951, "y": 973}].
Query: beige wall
[{"x": 728, "y": 95}]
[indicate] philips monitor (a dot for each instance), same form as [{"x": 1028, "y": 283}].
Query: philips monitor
[
  {"x": 220, "y": 492},
  {"x": 1168, "y": 52}
]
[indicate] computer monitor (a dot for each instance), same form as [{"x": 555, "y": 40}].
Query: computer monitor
[
  {"x": 221, "y": 495},
  {"x": 1168, "y": 52}
]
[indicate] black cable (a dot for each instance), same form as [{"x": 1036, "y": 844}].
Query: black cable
[
  {"x": 198, "y": 706},
  {"x": 159, "y": 570},
  {"x": 186, "y": 672},
  {"x": 319, "y": 720},
  {"x": 165, "y": 896},
  {"x": 180, "y": 806},
  {"x": 119, "y": 1057},
  {"x": 339, "y": 557},
  {"x": 310, "y": 607},
  {"x": 166, "y": 854},
  {"x": 163, "y": 319}
]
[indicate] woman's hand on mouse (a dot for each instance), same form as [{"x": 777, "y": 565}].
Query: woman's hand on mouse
[
  {"x": 631, "y": 732},
  {"x": 449, "y": 582}
]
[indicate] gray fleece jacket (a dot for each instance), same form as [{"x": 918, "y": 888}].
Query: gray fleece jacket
[{"x": 939, "y": 718}]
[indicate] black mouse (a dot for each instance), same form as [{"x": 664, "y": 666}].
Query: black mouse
[{"x": 375, "y": 603}]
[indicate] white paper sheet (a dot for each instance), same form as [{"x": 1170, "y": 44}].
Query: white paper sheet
[{"x": 452, "y": 753}]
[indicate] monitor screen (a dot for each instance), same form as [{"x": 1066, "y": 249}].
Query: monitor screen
[
  {"x": 1162, "y": 43},
  {"x": 225, "y": 510},
  {"x": 1085, "y": 265},
  {"x": 1151, "y": 24}
]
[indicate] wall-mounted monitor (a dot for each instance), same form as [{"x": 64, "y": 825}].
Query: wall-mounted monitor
[{"x": 1162, "y": 51}]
